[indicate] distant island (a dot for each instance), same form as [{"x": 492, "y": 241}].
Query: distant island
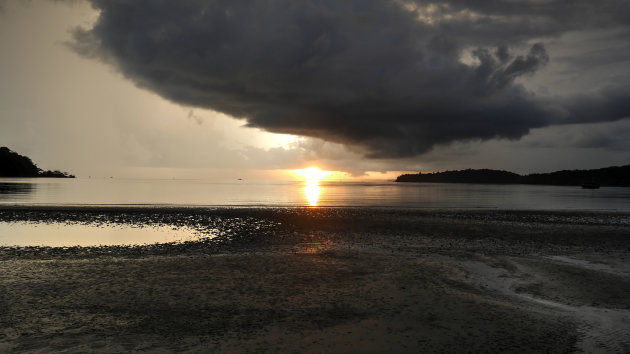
[
  {"x": 610, "y": 176},
  {"x": 13, "y": 164}
]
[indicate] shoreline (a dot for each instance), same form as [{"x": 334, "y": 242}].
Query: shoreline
[{"x": 324, "y": 279}]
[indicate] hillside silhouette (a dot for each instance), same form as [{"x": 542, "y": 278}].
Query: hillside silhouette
[
  {"x": 608, "y": 176},
  {"x": 13, "y": 164}
]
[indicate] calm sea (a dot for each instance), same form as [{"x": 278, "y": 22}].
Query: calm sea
[
  {"x": 44, "y": 191},
  {"x": 325, "y": 193}
]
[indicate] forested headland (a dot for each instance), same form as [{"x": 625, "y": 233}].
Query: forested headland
[
  {"x": 608, "y": 176},
  {"x": 13, "y": 164}
]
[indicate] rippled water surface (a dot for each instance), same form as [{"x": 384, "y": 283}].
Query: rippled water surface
[{"x": 257, "y": 193}]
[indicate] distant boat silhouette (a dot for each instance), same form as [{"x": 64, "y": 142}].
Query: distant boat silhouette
[{"x": 590, "y": 185}]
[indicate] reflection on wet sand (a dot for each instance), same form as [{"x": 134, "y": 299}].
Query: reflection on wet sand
[
  {"x": 313, "y": 247},
  {"x": 312, "y": 191},
  {"x": 27, "y": 234}
]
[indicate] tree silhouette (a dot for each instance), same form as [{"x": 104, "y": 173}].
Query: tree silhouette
[{"x": 13, "y": 164}]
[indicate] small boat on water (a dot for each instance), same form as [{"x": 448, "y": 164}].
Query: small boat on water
[{"x": 590, "y": 186}]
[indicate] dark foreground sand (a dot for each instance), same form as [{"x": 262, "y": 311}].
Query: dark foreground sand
[{"x": 325, "y": 280}]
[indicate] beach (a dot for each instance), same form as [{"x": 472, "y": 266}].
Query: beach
[
  {"x": 323, "y": 280},
  {"x": 391, "y": 176}
]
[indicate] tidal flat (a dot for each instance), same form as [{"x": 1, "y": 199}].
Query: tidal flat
[{"x": 322, "y": 280}]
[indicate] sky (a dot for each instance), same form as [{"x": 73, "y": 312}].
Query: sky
[{"x": 369, "y": 89}]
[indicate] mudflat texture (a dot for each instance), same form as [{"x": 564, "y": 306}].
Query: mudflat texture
[{"x": 324, "y": 280}]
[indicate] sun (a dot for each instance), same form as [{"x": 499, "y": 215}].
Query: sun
[
  {"x": 312, "y": 173},
  {"x": 312, "y": 190}
]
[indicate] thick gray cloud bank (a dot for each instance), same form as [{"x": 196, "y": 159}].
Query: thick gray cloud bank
[{"x": 391, "y": 78}]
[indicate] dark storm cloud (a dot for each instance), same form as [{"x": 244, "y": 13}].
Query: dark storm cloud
[
  {"x": 552, "y": 15},
  {"x": 387, "y": 77}
]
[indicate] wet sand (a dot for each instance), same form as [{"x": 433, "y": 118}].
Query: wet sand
[{"x": 322, "y": 280}]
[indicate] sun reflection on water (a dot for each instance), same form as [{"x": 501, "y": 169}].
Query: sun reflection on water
[{"x": 312, "y": 190}]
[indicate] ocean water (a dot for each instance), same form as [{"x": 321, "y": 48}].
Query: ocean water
[
  {"x": 80, "y": 191},
  {"x": 50, "y": 191}
]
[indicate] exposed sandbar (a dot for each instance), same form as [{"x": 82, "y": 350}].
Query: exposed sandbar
[{"x": 346, "y": 280}]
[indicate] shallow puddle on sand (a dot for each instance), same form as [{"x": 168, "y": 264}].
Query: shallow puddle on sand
[{"x": 65, "y": 235}]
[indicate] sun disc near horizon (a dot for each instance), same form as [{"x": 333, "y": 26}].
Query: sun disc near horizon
[{"x": 312, "y": 173}]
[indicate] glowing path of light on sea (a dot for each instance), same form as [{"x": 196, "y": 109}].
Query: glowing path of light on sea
[{"x": 312, "y": 190}]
